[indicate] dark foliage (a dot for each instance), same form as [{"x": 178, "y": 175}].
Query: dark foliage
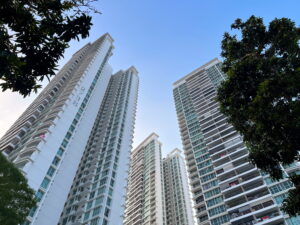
[
  {"x": 33, "y": 37},
  {"x": 261, "y": 96},
  {"x": 15, "y": 195}
]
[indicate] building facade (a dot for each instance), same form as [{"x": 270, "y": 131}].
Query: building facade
[
  {"x": 50, "y": 141},
  {"x": 177, "y": 194},
  {"x": 145, "y": 192},
  {"x": 99, "y": 186},
  {"x": 226, "y": 188}
]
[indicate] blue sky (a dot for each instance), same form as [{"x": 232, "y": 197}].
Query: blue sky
[{"x": 164, "y": 40}]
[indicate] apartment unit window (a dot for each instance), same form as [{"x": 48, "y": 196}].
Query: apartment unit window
[
  {"x": 217, "y": 210},
  {"x": 280, "y": 198},
  {"x": 45, "y": 183},
  {"x": 94, "y": 221},
  {"x": 214, "y": 201},
  {"x": 281, "y": 186},
  {"x": 220, "y": 220},
  {"x": 60, "y": 152},
  {"x": 86, "y": 215},
  {"x": 51, "y": 171},
  {"x": 212, "y": 193},
  {"x": 39, "y": 195},
  {"x": 55, "y": 161},
  {"x": 96, "y": 211},
  {"x": 99, "y": 200},
  {"x": 89, "y": 205}
]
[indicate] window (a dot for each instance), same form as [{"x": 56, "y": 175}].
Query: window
[
  {"x": 92, "y": 194},
  {"x": 279, "y": 199},
  {"x": 72, "y": 128},
  {"x": 281, "y": 186},
  {"x": 60, "y": 152},
  {"x": 217, "y": 210},
  {"x": 220, "y": 220},
  {"x": 68, "y": 135},
  {"x": 214, "y": 201},
  {"x": 110, "y": 191},
  {"x": 89, "y": 205},
  {"x": 32, "y": 212},
  {"x": 64, "y": 143},
  {"x": 94, "y": 221},
  {"x": 112, "y": 182},
  {"x": 39, "y": 195},
  {"x": 86, "y": 215},
  {"x": 96, "y": 211},
  {"x": 106, "y": 213},
  {"x": 212, "y": 193},
  {"x": 208, "y": 177},
  {"x": 101, "y": 190},
  {"x": 108, "y": 202},
  {"x": 45, "y": 183},
  {"x": 103, "y": 181},
  {"x": 55, "y": 161},
  {"x": 51, "y": 171},
  {"x": 99, "y": 200}
]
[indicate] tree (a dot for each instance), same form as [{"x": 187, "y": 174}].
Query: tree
[
  {"x": 33, "y": 37},
  {"x": 15, "y": 195},
  {"x": 261, "y": 95}
]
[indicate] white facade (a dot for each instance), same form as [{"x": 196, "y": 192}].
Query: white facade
[
  {"x": 177, "y": 193},
  {"x": 98, "y": 189},
  {"x": 227, "y": 188},
  {"x": 144, "y": 203},
  {"x": 49, "y": 140}
]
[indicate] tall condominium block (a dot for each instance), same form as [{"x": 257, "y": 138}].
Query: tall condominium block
[
  {"x": 177, "y": 194},
  {"x": 226, "y": 188},
  {"x": 63, "y": 136},
  {"x": 99, "y": 186},
  {"x": 145, "y": 197}
]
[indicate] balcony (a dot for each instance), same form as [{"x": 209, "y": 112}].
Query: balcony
[
  {"x": 242, "y": 180},
  {"x": 251, "y": 209},
  {"x": 249, "y": 199}
]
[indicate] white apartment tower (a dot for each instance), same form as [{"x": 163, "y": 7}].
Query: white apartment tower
[
  {"x": 226, "y": 188},
  {"x": 80, "y": 126},
  {"x": 157, "y": 191},
  {"x": 145, "y": 197},
  {"x": 177, "y": 194}
]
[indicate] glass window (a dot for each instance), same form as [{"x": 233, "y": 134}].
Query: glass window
[
  {"x": 108, "y": 202},
  {"x": 101, "y": 190},
  {"x": 60, "y": 152},
  {"x": 214, "y": 201},
  {"x": 64, "y": 143},
  {"x": 51, "y": 171},
  {"x": 99, "y": 200},
  {"x": 96, "y": 211},
  {"x": 89, "y": 205},
  {"x": 45, "y": 183},
  {"x": 68, "y": 135},
  {"x": 55, "y": 161},
  {"x": 39, "y": 195},
  {"x": 92, "y": 194},
  {"x": 86, "y": 215},
  {"x": 72, "y": 128},
  {"x": 94, "y": 221}
]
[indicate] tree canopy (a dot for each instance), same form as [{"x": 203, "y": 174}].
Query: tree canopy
[
  {"x": 261, "y": 95},
  {"x": 33, "y": 37},
  {"x": 15, "y": 195}
]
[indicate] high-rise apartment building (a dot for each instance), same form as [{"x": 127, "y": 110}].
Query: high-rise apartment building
[
  {"x": 99, "y": 186},
  {"x": 177, "y": 194},
  {"x": 157, "y": 191},
  {"x": 145, "y": 192},
  {"x": 226, "y": 188},
  {"x": 79, "y": 128}
]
